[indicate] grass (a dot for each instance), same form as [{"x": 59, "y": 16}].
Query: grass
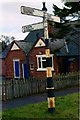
[{"x": 67, "y": 107}]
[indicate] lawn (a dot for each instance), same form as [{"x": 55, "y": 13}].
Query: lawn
[{"x": 67, "y": 107}]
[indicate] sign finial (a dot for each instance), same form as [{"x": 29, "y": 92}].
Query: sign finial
[{"x": 44, "y": 7}]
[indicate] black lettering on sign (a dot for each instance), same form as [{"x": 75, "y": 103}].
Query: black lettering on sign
[
  {"x": 28, "y": 11},
  {"x": 23, "y": 29},
  {"x": 29, "y": 27}
]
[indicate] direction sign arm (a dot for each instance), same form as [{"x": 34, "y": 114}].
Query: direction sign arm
[
  {"x": 53, "y": 18},
  {"x": 31, "y": 27},
  {"x": 31, "y": 11},
  {"x": 38, "y": 13}
]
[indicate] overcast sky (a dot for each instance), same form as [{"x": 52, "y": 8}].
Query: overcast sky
[{"x": 11, "y": 19}]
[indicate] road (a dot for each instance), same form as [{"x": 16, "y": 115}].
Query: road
[{"x": 35, "y": 98}]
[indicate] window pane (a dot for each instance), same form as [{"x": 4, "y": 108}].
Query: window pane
[
  {"x": 43, "y": 58},
  {"x": 51, "y": 61},
  {"x": 31, "y": 66},
  {"x": 44, "y": 62},
  {"x": 39, "y": 59}
]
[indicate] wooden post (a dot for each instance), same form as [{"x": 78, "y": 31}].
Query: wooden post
[{"x": 50, "y": 88}]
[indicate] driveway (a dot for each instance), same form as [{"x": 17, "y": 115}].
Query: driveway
[{"x": 35, "y": 98}]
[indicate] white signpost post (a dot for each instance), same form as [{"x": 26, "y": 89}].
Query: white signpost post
[{"x": 46, "y": 16}]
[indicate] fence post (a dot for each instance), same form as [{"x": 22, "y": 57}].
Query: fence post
[{"x": 12, "y": 88}]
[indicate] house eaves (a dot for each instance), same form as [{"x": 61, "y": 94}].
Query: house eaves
[{"x": 5, "y": 52}]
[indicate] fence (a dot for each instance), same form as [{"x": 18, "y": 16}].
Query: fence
[{"x": 17, "y": 88}]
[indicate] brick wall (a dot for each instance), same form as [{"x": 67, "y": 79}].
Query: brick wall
[
  {"x": 65, "y": 65},
  {"x": 74, "y": 66}
]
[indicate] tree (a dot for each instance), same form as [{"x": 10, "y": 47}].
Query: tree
[
  {"x": 4, "y": 45},
  {"x": 5, "y": 41},
  {"x": 70, "y": 12}
]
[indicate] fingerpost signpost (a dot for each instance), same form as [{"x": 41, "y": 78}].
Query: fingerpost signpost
[{"x": 46, "y": 16}]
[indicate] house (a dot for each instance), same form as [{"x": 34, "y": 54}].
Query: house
[
  {"x": 26, "y": 58},
  {"x": 14, "y": 61},
  {"x": 70, "y": 61}
]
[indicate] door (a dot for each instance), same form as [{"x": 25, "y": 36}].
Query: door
[
  {"x": 16, "y": 69},
  {"x": 25, "y": 71}
]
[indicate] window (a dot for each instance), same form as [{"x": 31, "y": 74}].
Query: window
[
  {"x": 41, "y": 62},
  {"x": 31, "y": 66}
]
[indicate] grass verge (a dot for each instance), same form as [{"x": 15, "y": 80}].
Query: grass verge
[{"x": 67, "y": 107}]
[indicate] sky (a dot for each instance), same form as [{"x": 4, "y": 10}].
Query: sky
[{"x": 11, "y": 19}]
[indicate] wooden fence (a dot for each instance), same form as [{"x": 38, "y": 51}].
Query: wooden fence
[{"x": 18, "y": 88}]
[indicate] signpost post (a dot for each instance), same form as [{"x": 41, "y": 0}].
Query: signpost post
[
  {"x": 50, "y": 88},
  {"x": 46, "y": 16}
]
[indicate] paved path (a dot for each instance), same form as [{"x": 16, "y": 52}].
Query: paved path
[{"x": 35, "y": 98}]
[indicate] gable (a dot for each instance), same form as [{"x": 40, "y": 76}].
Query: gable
[
  {"x": 15, "y": 47},
  {"x": 40, "y": 43}
]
